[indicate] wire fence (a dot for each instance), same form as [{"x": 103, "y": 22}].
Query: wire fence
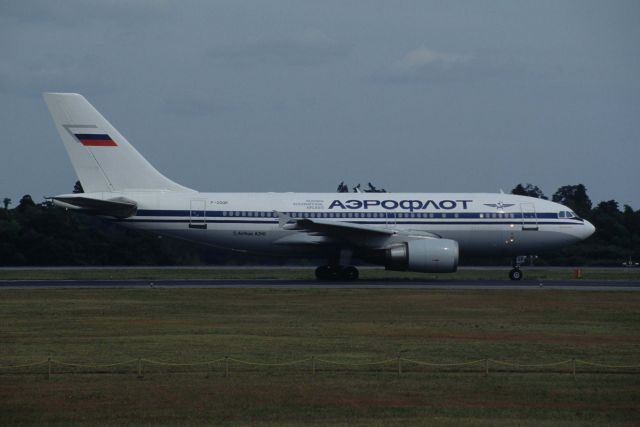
[{"x": 225, "y": 366}]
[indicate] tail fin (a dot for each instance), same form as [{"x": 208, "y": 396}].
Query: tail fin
[{"x": 103, "y": 159}]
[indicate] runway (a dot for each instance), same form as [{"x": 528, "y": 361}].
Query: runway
[{"x": 568, "y": 285}]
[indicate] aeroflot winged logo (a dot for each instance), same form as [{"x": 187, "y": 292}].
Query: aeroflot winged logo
[{"x": 499, "y": 205}]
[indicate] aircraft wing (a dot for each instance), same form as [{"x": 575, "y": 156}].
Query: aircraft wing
[
  {"x": 340, "y": 227},
  {"x": 353, "y": 233}
]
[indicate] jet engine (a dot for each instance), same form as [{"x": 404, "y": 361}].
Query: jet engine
[{"x": 423, "y": 255}]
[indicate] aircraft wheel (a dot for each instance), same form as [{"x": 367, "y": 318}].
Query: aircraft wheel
[
  {"x": 515, "y": 274},
  {"x": 349, "y": 273}
]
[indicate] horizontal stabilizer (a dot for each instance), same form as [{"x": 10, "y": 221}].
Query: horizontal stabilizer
[{"x": 118, "y": 207}]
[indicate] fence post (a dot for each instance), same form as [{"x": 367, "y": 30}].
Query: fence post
[
  {"x": 313, "y": 365},
  {"x": 49, "y": 368},
  {"x": 139, "y": 367},
  {"x": 573, "y": 365},
  {"x": 486, "y": 367},
  {"x": 226, "y": 366}
]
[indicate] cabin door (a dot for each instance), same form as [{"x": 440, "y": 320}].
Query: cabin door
[
  {"x": 529, "y": 216},
  {"x": 198, "y": 214}
]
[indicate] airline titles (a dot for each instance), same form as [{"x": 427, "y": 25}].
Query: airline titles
[{"x": 411, "y": 205}]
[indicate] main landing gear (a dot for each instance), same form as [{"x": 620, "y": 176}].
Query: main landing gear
[
  {"x": 338, "y": 267},
  {"x": 337, "y": 272}
]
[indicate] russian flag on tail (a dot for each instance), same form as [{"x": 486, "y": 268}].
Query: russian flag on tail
[{"x": 95, "y": 140}]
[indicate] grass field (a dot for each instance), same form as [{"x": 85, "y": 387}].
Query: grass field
[
  {"x": 94, "y": 326},
  {"x": 591, "y": 273}
]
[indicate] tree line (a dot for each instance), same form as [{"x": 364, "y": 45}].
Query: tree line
[{"x": 41, "y": 234}]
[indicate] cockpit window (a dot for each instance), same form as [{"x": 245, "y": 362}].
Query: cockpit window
[{"x": 567, "y": 214}]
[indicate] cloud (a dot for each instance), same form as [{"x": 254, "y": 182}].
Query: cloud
[
  {"x": 424, "y": 65},
  {"x": 310, "y": 47},
  {"x": 423, "y": 58}
]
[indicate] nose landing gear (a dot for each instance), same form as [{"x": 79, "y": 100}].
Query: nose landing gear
[{"x": 516, "y": 273}]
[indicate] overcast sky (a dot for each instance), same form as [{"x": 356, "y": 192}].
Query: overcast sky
[{"x": 419, "y": 96}]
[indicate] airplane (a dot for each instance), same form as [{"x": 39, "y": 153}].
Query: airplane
[{"x": 422, "y": 232}]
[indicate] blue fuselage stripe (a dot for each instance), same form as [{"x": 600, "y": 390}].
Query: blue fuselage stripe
[
  {"x": 395, "y": 215},
  {"x": 267, "y": 217},
  {"x": 262, "y": 217},
  {"x": 231, "y": 221}
]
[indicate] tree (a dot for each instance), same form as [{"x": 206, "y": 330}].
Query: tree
[
  {"x": 77, "y": 188},
  {"x": 631, "y": 220},
  {"x": 574, "y": 197},
  {"x": 26, "y": 202},
  {"x": 6, "y": 201},
  {"x": 529, "y": 190}
]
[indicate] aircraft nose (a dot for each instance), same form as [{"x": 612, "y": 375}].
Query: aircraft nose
[{"x": 588, "y": 229}]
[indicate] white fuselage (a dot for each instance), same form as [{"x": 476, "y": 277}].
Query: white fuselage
[
  {"x": 402, "y": 231},
  {"x": 482, "y": 224}
]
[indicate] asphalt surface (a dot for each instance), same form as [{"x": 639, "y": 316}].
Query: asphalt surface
[{"x": 583, "y": 285}]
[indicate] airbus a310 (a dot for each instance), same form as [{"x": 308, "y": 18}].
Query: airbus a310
[{"x": 423, "y": 232}]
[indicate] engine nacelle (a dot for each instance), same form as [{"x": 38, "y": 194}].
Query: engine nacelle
[{"x": 424, "y": 255}]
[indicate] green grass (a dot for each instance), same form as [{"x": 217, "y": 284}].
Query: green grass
[
  {"x": 353, "y": 326},
  {"x": 307, "y": 274}
]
